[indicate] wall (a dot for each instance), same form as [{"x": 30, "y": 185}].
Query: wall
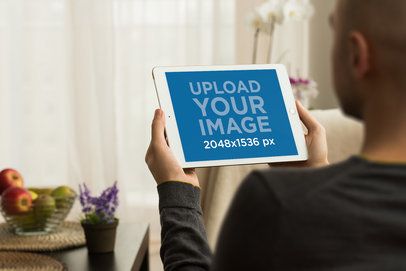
[{"x": 321, "y": 40}]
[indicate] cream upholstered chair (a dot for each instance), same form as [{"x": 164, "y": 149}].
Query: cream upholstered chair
[{"x": 344, "y": 137}]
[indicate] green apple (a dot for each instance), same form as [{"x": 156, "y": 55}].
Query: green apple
[
  {"x": 62, "y": 191},
  {"x": 61, "y": 195},
  {"x": 44, "y": 207}
]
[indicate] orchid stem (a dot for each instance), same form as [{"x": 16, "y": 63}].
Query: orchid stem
[
  {"x": 271, "y": 31},
  {"x": 254, "y": 54}
]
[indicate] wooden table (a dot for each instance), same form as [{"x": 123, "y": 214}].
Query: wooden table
[{"x": 131, "y": 252}]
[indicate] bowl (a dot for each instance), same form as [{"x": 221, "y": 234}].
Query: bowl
[{"x": 44, "y": 216}]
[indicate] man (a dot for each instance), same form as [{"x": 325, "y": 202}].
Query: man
[{"x": 348, "y": 216}]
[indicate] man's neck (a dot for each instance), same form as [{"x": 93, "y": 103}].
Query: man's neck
[{"x": 385, "y": 130}]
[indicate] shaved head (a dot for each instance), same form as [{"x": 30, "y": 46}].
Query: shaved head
[
  {"x": 383, "y": 22},
  {"x": 369, "y": 53},
  {"x": 374, "y": 16}
]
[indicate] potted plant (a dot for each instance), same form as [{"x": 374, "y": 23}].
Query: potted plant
[{"x": 99, "y": 222}]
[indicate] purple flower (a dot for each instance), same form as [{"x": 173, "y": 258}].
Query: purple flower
[
  {"x": 292, "y": 81},
  {"x": 99, "y": 210},
  {"x": 304, "y": 81}
]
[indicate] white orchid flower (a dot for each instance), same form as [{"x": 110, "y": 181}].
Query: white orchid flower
[
  {"x": 254, "y": 20},
  {"x": 265, "y": 17},
  {"x": 298, "y": 10},
  {"x": 272, "y": 11}
]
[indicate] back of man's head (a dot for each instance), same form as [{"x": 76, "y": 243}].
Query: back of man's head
[
  {"x": 370, "y": 42},
  {"x": 383, "y": 22}
]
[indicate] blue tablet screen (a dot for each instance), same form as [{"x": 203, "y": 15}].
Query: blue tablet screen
[{"x": 230, "y": 114}]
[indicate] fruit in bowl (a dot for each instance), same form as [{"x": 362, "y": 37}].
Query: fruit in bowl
[
  {"x": 61, "y": 194},
  {"x": 34, "y": 211},
  {"x": 16, "y": 201},
  {"x": 9, "y": 178},
  {"x": 44, "y": 208}
]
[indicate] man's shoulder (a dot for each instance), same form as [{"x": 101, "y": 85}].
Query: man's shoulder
[
  {"x": 296, "y": 184},
  {"x": 322, "y": 216}
]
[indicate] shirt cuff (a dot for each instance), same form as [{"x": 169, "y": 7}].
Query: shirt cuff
[{"x": 175, "y": 194}]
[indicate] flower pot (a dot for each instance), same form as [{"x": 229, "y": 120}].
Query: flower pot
[{"x": 100, "y": 238}]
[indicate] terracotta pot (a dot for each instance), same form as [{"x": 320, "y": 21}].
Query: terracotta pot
[{"x": 100, "y": 238}]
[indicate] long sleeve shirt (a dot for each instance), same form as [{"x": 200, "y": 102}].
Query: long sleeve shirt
[{"x": 349, "y": 216}]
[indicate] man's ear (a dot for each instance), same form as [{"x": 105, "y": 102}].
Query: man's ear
[{"x": 360, "y": 54}]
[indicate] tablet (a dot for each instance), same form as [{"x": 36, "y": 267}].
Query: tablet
[{"x": 230, "y": 115}]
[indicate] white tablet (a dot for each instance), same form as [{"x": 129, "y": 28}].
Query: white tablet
[{"x": 230, "y": 115}]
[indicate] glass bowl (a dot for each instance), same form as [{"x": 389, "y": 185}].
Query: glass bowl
[{"x": 44, "y": 216}]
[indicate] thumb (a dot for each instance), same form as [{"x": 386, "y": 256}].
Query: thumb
[
  {"x": 158, "y": 127},
  {"x": 308, "y": 120}
]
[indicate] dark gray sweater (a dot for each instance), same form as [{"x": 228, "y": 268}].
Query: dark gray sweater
[{"x": 349, "y": 216}]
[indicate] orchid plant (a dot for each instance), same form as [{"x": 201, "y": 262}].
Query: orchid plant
[
  {"x": 99, "y": 210},
  {"x": 264, "y": 18},
  {"x": 304, "y": 89}
]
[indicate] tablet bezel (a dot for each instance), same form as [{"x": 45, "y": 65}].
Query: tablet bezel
[{"x": 173, "y": 136}]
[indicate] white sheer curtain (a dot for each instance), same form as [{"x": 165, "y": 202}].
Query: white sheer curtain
[
  {"x": 152, "y": 33},
  {"x": 76, "y": 92}
]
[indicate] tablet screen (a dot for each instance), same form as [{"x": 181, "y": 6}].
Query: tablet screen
[{"x": 230, "y": 114}]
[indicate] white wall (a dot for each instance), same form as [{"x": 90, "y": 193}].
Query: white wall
[{"x": 320, "y": 40}]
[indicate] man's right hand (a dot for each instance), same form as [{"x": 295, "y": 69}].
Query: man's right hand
[{"x": 316, "y": 142}]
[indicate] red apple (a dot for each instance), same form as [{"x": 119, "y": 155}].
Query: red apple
[
  {"x": 9, "y": 178},
  {"x": 16, "y": 200}
]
